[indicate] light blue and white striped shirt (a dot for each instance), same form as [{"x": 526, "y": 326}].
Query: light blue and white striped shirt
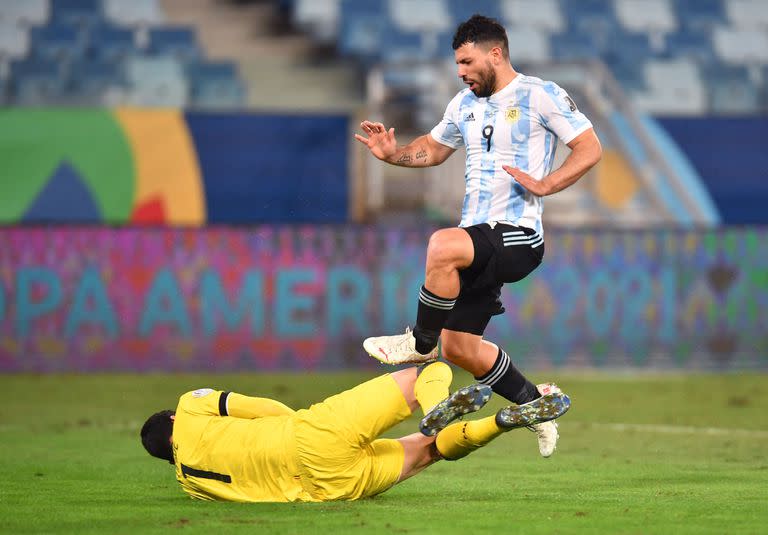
[{"x": 517, "y": 126}]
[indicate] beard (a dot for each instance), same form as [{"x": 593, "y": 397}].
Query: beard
[{"x": 486, "y": 83}]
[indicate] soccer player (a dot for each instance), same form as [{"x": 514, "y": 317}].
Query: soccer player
[
  {"x": 231, "y": 447},
  {"x": 509, "y": 124}
]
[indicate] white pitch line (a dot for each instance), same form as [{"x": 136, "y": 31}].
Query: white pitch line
[{"x": 678, "y": 429}]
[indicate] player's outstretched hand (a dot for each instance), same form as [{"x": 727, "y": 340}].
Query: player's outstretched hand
[
  {"x": 537, "y": 187},
  {"x": 380, "y": 141}
]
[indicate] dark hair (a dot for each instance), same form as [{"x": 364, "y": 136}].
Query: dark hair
[
  {"x": 480, "y": 29},
  {"x": 156, "y": 435}
]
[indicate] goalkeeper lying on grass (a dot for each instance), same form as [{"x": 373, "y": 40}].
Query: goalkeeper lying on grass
[{"x": 227, "y": 446}]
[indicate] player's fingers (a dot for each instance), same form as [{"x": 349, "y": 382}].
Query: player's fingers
[
  {"x": 380, "y": 127},
  {"x": 392, "y": 134},
  {"x": 361, "y": 139}
]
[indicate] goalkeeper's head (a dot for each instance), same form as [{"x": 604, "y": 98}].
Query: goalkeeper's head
[{"x": 156, "y": 435}]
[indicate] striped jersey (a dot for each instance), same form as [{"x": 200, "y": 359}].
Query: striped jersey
[{"x": 518, "y": 126}]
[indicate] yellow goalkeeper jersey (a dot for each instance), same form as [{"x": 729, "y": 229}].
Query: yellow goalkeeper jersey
[{"x": 231, "y": 447}]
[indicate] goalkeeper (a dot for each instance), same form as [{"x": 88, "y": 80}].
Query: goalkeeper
[{"x": 231, "y": 447}]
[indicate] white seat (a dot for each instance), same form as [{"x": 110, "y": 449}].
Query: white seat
[
  {"x": 741, "y": 46},
  {"x": 420, "y": 15},
  {"x": 646, "y": 15},
  {"x": 674, "y": 87},
  {"x": 134, "y": 13},
  {"x": 747, "y": 13},
  {"x": 541, "y": 14},
  {"x": 156, "y": 82},
  {"x": 25, "y": 12},
  {"x": 14, "y": 41},
  {"x": 321, "y": 17},
  {"x": 527, "y": 44}
]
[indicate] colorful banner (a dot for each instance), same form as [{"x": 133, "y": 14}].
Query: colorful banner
[
  {"x": 303, "y": 298},
  {"x": 168, "y": 167}
]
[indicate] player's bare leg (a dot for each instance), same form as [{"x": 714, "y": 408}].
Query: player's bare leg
[{"x": 449, "y": 250}]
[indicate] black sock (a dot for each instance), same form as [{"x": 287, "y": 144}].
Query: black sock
[
  {"x": 507, "y": 381},
  {"x": 432, "y": 314}
]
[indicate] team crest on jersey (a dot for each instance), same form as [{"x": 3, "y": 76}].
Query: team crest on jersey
[
  {"x": 571, "y": 103},
  {"x": 512, "y": 115}
]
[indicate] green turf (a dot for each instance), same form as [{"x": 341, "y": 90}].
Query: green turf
[{"x": 71, "y": 462}]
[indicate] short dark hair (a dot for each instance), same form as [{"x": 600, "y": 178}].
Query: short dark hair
[
  {"x": 156, "y": 435},
  {"x": 480, "y": 29}
]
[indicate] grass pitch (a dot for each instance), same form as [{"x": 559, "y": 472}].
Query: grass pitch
[{"x": 638, "y": 454}]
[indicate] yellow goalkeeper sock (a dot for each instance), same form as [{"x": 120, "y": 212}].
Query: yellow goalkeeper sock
[
  {"x": 462, "y": 438},
  {"x": 432, "y": 385}
]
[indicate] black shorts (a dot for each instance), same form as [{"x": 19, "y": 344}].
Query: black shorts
[{"x": 505, "y": 253}]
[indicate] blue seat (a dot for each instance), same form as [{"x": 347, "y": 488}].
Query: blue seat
[
  {"x": 109, "y": 43},
  {"x": 77, "y": 12},
  {"x": 179, "y": 42},
  {"x": 92, "y": 81},
  {"x": 461, "y": 10},
  {"x": 573, "y": 46},
  {"x": 360, "y": 36},
  {"x": 594, "y": 17},
  {"x": 629, "y": 46},
  {"x": 215, "y": 85},
  {"x": 58, "y": 42},
  {"x": 38, "y": 82},
  {"x": 700, "y": 14},
  {"x": 404, "y": 46},
  {"x": 628, "y": 72},
  {"x": 692, "y": 44},
  {"x": 734, "y": 91}
]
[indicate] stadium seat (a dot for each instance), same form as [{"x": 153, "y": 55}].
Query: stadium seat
[
  {"x": 84, "y": 13},
  {"x": 407, "y": 46},
  {"x": 25, "y": 12},
  {"x": 652, "y": 16},
  {"x": 573, "y": 46},
  {"x": 629, "y": 46},
  {"x": 99, "y": 83},
  {"x": 690, "y": 44},
  {"x": 420, "y": 15},
  {"x": 109, "y": 43},
  {"x": 593, "y": 17},
  {"x": 360, "y": 36},
  {"x": 734, "y": 92},
  {"x": 318, "y": 17},
  {"x": 215, "y": 86},
  {"x": 58, "y": 42},
  {"x": 544, "y": 15},
  {"x": 747, "y": 13},
  {"x": 14, "y": 42},
  {"x": 674, "y": 87},
  {"x": 628, "y": 72},
  {"x": 179, "y": 42},
  {"x": 156, "y": 81},
  {"x": 461, "y": 10},
  {"x": 133, "y": 14},
  {"x": 527, "y": 44},
  {"x": 699, "y": 14},
  {"x": 38, "y": 82},
  {"x": 741, "y": 46}
]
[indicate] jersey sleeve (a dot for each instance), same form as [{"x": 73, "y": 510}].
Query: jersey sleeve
[
  {"x": 447, "y": 132},
  {"x": 209, "y": 402},
  {"x": 559, "y": 114}
]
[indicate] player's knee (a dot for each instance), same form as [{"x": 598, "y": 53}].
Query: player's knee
[
  {"x": 456, "y": 351},
  {"x": 444, "y": 249}
]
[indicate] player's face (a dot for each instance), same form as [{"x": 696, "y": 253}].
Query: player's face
[{"x": 475, "y": 69}]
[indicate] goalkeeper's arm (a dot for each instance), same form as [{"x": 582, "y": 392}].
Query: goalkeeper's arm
[{"x": 240, "y": 406}]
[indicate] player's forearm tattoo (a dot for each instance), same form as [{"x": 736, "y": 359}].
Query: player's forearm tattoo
[
  {"x": 421, "y": 155},
  {"x": 405, "y": 158}
]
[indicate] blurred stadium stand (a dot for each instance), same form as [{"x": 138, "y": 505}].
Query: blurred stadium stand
[{"x": 624, "y": 61}]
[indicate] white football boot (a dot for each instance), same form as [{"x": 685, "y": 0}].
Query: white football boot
[
  {"x": 546, "y": 432},
  {"x": 397, "y": 349}
]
